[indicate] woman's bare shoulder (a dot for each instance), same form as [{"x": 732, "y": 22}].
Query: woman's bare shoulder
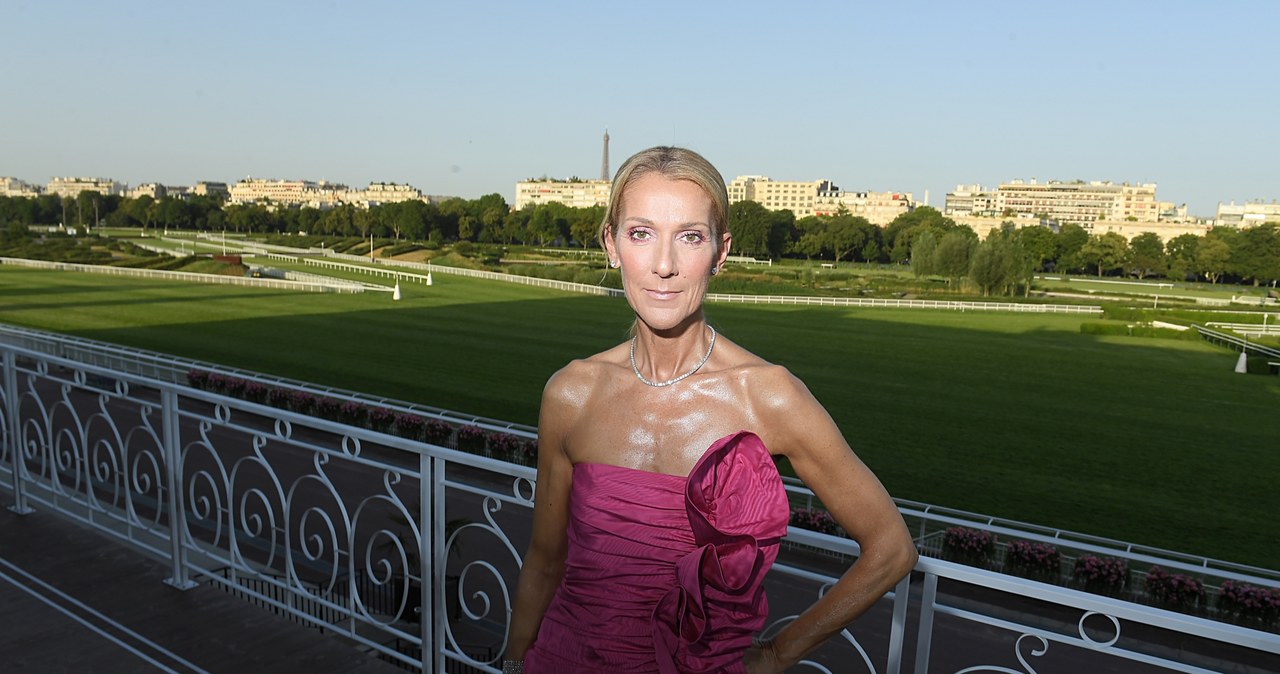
[{"x": 580, "y": 379}]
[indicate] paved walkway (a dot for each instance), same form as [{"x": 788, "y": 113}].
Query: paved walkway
[{"x": 73, "y": 600}]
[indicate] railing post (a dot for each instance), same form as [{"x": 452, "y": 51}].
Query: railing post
[
  {"x": 924, "y": 636},
  {"x": 431, "y": 532},
  {"x": 173, "y": 470},
  {"x": 898, "y": 632},
  {"x": 15, "y": 445}
]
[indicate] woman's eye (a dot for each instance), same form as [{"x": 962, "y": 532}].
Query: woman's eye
[
  {"x": 692, "y": 237},
  {"x": 638, "y": 235}
]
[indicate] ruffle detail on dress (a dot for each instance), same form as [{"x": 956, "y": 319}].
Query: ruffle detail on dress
[{"x": 738, "y": 513}]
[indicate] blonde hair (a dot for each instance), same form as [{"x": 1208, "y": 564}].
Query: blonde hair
[{"x": 675, "y": 163}]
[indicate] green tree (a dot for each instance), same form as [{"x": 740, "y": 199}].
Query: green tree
[
  {"x": 1104, "y": 252},
  {"x": 1257, "y": 256},
  {"x": 1071, "y": 238},
  {"x": 811, "y": 237},
  {"x": 1040, "y": 243},
  {"x": 1213, "y": 257},
  {"x": 749, "y": 222},
  {"x": 953, "y": 254},
  {"x": 1180, "y": 252},
  {"x": 846, "y": 234},
  {"x": 1146, "y": 255},
  {"x": 922, "y": 253}
]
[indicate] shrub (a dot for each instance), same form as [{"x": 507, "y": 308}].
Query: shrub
[
  {"x": 301, "y": 401},
  {"x": 436, "y": 432},
  {"x": 471, "y": 439},
  {"x": 503, "y": 446},
  {"x": 232, "y": 386},
  {"x": 410, "y": 426},
  {"x": 254, "y": 391},
  {"x": 1248, "y": 603},
  {"x": 528, "y": 452},
  {"x": 278, "y": 397},
  {"x": 353, "y": 413},
  {"x": 1174, "y": 590},
  {"x": 1033, "y": 559},
  {"x": 380, "y": 418},
  {"x": 197, "y": 378},
  {"x": 327, "y": 407},
  {"x": 968, "y": 546},
  {"x": 1101, "y": 574},
  {"x": 1131, "y": 330},
  {"x": 814, "y": 519}
]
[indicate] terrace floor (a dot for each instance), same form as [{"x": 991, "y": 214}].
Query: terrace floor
[{"x": 73, "y": 600}]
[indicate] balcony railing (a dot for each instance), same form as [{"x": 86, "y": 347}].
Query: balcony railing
[{"x": 411, "y": 550}]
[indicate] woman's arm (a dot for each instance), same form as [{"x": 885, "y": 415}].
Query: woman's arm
[
  {"x": 544, "y": 562},
  {"x": 805, "y": 433}
]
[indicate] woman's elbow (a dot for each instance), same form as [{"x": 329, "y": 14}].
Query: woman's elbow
[{"x": 898, "y": 557}]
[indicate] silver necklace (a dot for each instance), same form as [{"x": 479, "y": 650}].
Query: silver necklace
[{"x": 669, "y": 382}]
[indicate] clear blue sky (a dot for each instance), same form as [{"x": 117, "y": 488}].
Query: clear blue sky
[{"x": 466, "y": 98}]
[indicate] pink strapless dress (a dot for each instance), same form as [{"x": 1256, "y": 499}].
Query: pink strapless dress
[{"x": 665, "y": 573}]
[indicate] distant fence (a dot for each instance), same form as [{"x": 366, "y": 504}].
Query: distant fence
[
  {"x": 1237, "y": 343},
  {"x": 186, "y": 277},
  {"x": 906, "y": 304}
]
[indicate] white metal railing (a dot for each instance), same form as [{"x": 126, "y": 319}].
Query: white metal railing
[
  {"x": 927, "y": 520},
  {"x": 1235, "y": 342},
  {"x": 906, "y": 304},
  {"x": 1250, "y": 329},
  {"x": 185, "y": 277},
  {"x": 175, "y": 370},
  {"x": 369, "y": 527}
]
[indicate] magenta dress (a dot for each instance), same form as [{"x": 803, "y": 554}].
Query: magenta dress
[{"x": 665, "y": 573}]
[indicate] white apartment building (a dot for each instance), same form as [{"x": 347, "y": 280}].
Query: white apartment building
[
  {"x": 801, "y": 198},
  {"x": 315, "y": 194},
  {"x": 12, "y": 187},
  {"x": 1076, "y": 201},
  {"x": 572, "y": 193},
  {"x": 153, "y": 190},
  {"x": 72, "y": 187},
  {"x": 388, "y": 193},
  {"x": 1247, "y": 214},
  {"x": 819, "y": 197},
  {"x": 879, "y": 208},
  {"x": 206, "y": 188}
]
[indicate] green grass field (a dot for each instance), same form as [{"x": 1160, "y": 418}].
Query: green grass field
[{"x": 1021, "y": 416}]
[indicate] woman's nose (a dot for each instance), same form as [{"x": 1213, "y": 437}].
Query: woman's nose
[{"x": 665, "y": 263}]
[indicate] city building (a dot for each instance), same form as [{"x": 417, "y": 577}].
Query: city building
[
  {"x": 879, "y": 208},
  {"x": 819, "y": 197},
  {"x": 12, "y": 187},
  {"x": 387, "y": 193},
  {"x": 321, "y": 194},
  {"x": 153, "y": 190},
  {"x": 206, "y": 188},
  {"x": 574, "y": 192},
  {"x": 72, "y": 187},
  {"x": 1247, "y": 214},
  {"x": 1075, "y": 201},
  {"x": 313, "y": 194},
  {"x": 798, "y": 197}
]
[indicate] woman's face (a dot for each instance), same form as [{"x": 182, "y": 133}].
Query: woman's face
[{"x": 664, "y": 243}]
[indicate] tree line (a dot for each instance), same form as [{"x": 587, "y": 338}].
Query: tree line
[{"x": 930, "y": 242}]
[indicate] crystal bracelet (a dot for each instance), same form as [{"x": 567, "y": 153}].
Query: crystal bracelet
[{"x": 513, "y": 667}]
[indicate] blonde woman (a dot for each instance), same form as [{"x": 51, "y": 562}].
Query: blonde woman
[{"x": 658, "y": 508}]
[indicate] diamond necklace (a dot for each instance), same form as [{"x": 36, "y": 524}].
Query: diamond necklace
[{"x": 669, "y": 382}]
